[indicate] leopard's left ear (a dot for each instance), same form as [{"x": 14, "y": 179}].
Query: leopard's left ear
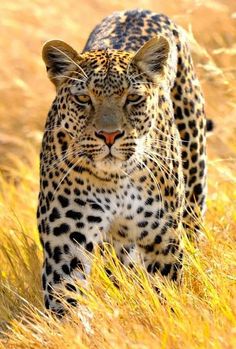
[{"x": 152, "y": 56}]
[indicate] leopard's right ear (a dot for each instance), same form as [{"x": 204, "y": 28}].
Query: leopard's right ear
[{"x": 59, "y": 59}]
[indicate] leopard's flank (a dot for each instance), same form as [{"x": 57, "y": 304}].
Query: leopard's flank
[{"x": 123, "y": 157}]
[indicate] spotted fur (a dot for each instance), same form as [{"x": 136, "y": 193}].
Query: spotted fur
[{"x": 140, "y": 191}]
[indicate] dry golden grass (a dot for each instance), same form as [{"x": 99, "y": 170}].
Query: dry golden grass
[{"x": 204, "y": 313}]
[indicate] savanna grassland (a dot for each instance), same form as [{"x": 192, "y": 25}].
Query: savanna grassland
[{"x": 201, "y": 314}]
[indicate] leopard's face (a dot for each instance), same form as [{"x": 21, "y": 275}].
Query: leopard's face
[{"x": 108, "y": 107}]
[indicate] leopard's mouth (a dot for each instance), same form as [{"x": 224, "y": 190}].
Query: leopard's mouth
[
  {"x": 111, "y": 160},
  {"x": 108, "y": 156},
  {"x": 112, "y": 156},
  {"x": 109, "y": 163}
]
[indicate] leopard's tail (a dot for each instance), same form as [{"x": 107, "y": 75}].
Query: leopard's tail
[{"x": 209, "y": 125}]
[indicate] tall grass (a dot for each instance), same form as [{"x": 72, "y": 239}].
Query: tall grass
[{"x": 200, "y": 314}]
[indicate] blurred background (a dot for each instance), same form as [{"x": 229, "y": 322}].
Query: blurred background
[{"x": 26, "y": 93}]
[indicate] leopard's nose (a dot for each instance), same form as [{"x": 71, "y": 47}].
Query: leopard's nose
[{"x": 109, "y": 137}]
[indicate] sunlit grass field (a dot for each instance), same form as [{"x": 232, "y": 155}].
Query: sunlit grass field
[{"x": 200, "y": 314}]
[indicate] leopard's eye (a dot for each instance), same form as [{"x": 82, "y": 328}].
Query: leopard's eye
[
  {"x": 134, "y": 98},
  {"x": 82, "y": 99}
]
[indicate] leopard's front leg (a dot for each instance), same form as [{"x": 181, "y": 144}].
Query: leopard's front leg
[
  {"x": 164, "y": 255},
  {"x": 69, "y": 230},
  {"x": 160, "y": 244}
]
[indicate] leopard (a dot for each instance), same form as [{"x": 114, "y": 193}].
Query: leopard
[{"x": 123, "y": 155}]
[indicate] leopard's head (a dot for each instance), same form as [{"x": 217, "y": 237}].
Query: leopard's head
[{"x": 108, "y": 101}]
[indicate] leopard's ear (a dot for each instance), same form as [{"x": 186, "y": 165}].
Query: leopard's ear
[
  {"x": 152, "y": 56},
  {"x": 59, "y": 59}
]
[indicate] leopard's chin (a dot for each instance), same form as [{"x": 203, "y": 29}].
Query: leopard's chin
[{"x": 109, "y": 164}]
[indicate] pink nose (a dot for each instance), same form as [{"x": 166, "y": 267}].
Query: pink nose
[{"x": 109, "y": 137}]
